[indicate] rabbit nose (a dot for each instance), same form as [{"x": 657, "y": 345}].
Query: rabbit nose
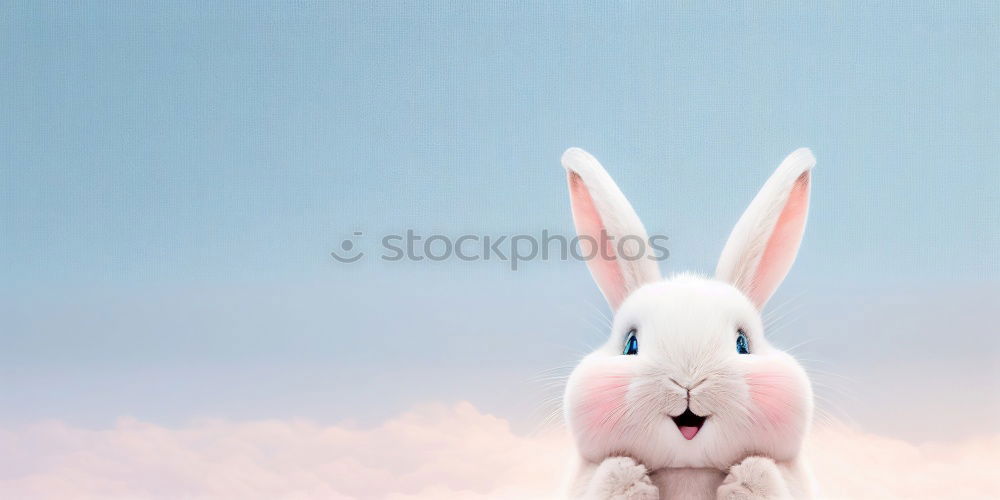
[{"x": 688, "y": 387}]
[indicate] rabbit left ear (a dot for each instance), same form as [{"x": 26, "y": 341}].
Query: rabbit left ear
[
  {"x": 606, "y": 223},
  {"x": 765, "y": 241}
]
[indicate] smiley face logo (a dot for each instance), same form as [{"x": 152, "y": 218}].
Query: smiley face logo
[{"x": 346, "y": 247}]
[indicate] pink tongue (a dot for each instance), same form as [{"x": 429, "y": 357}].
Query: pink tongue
[{"x": 687, "y": 431}]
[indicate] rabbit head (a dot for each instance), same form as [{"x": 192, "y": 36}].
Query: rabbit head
[{"x": 687, "y": 377}]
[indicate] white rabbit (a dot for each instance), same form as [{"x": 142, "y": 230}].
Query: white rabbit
[{"x": 687, "y": 399}]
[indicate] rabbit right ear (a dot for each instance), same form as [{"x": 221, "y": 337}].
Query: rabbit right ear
[
  {"x": 763, "y": 245},
  {"x": 602, "y": 214}
]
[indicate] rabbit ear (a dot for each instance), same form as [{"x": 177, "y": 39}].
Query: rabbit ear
[
  {"x": 606, "y": 224},
  {"x": 763, "y": 245}
]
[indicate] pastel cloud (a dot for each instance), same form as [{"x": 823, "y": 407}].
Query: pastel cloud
[
  {"x": 433, "y": 452},
  {"x": 850, "y": 464}
]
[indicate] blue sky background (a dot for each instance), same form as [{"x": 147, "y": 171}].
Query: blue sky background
[{"x": 175, "y": 174}]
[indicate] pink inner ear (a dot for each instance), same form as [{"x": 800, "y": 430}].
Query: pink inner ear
[
  {"x": 603, "y": 266},
  {"x": 783, "y": 243}
]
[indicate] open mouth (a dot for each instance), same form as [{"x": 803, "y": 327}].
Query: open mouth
[{"x": 689, "y": 423}]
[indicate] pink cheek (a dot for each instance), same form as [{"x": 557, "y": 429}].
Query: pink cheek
[
  {"x": 774, "y": 395},
  {"x": 602, "y": 403}
]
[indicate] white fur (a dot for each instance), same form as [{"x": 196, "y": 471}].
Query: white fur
[
  {"x": 754, "y": 478},
  {"x": 749, "y": 238},
  {"x": 619, "y": 478},
  {"x": 619, "y": 220},
  {"x": 759, "y": 405}
]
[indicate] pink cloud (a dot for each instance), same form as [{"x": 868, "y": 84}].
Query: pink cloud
[
  {"x": 850, "y": 464},
  {"x": 433, "y": 452}
]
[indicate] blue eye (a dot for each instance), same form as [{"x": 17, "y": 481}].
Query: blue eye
[
  {"x": 631, "y": 343},
  {"x": 742, "y": 346}
]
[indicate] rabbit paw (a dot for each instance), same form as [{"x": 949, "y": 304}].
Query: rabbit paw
[
  {"x": 755, "y": 478},
  {"x": 621, "y": 478}
]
